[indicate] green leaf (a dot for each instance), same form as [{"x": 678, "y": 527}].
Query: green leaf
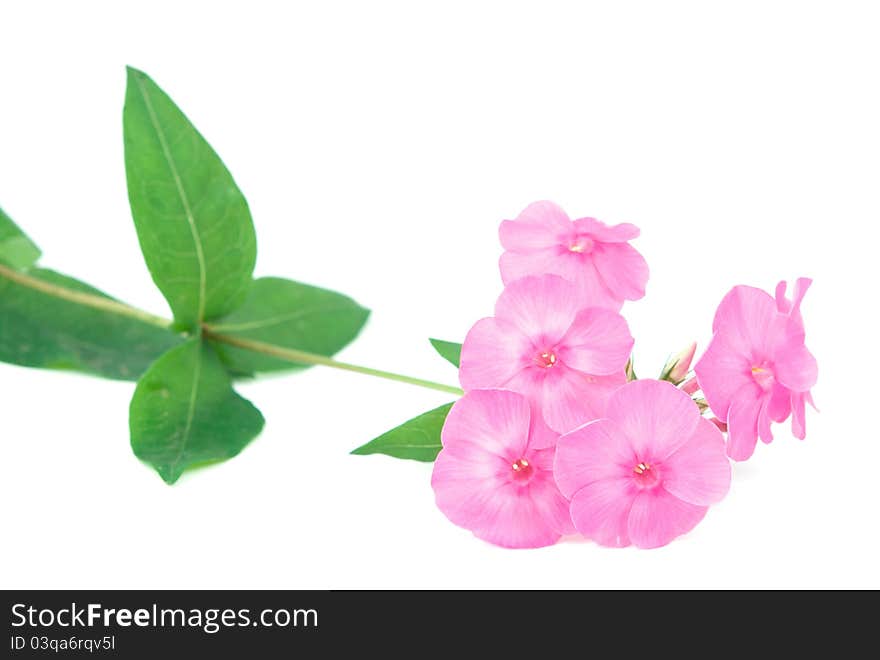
[
  {"x": 16, "y": 249},
  {"x": 184, "y": 412},
  {"x": 192, "y": 221},
  {"x": 40, "y": 329},
  {"x": 418, "y": 439},
  {"x": 291, "y": 315},
  {"x": 448, "y": 350}
]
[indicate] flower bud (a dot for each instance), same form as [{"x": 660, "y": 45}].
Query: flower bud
[
  {"x": 690, "y": 386},
  {"x": 676, "y": 368}
]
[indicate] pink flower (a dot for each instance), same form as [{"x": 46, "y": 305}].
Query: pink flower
[
  {"x": 545, "y": 345},
  {"x": 647, "y": 472},
  {"x": 494, "y": 475},
  {"x": 757, "y": 369},
  {"x": 593, "y": 255}
]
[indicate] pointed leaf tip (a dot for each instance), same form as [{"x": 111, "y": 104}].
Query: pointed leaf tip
[{"x": 448, "y": 350}]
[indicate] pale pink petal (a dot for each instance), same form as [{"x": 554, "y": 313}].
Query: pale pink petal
[
  {"x": 796, "y": 368},
  {"x": 592, "y": 290},
  {"x": 606, "y": 233},
  {"x": 467, "y": 487},
  {"x": 541, "y": 436},
  {"x": 490, "y": 421},
  {"x": 492, "y": 353},
  {"x": 595, "y": 451},
  {"x": 622, "y": 268},
  {"x": 601, "y": 510},
  {"x": 496, "y": 511},
  {"x": 799, "y": 415},
  {"x": 779, "y": 407},
  {"x": 750, "y": 319},
  {"x": 570, "y": 398},
  {"x": 549, "y": 502},
  {"x": 525, "y": 237},
  {"x": 699, "y": 472},
  {"x": 765, "y": 431},
  {"x": 517, "y": 522},
  {"x": 722, "y": 372},
  {"x": 801, "y": 286},
  {"x": 546, "y": 214},
  {"x": 541, "y": 307},
  {"x": 516, "y": 265},
  {"x": 742, "y": 422},
  {"x": 658, "y": 517},
  {"x": 598, "y": 342},
  {"x": 541, "y": 225},
  {"x": 656, "y": 416},
  {"x": 783, "y": 305}
]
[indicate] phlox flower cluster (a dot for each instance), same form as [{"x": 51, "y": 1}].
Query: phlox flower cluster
[{"x": 554, "y": 436}]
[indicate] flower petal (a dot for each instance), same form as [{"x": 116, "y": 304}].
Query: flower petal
[
  {"x": 592, "y": 290},
  {"x": 540, "y": 225},
  {"x": 601, "y": 510},
  {"x": 656, "y": 416},
  {"x": 622, "y": 268},
  {"x": 549, "y": 502},
  {"x": 801, "y": 286},
  {"x": 492, "y": 353},
  {"x": 752, "y": 322},
  {"x": 542, "y": 307},
  {"x": 497, "y": 511},
  {"x": 742, "y": 422},
  {"x": 658, "y": 517},
  {"x": 598, "y": 342},
  {"x": 516, "y": 265},
  {"x": 541, "y": 436},
  {"x": 723, "y": 371},
  {"x": 799, "y": 414},
  {"x": 765, "y": 431},
  {"x": 779, "y": 407},
  {"x": 487, "y": 421},
  {"x": 783, "y": 305},
  {"x": 796, "y": 368},
  {"x": 595, "y": 451},
  {"x": 699, "y": 472},
  {"x": 606, "y": 233},
  {"x": 570, "y": 398}
]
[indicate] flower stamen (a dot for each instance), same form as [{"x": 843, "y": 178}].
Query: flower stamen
[
  {"x": 547, "y": 359},
  {"x": 582, "y": 245},
  {"x": 641, "y": 468}
]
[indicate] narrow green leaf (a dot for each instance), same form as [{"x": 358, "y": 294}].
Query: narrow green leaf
[
  {"x": 16, "y": 249},
  {"x": 291, "y": 315},
  {"x": 192, "y": 221},
  {"x": 38, "y": 329},
  {"x": 448, "y": 350},
  {"x": 184, "y": 412},
  {"x": 418, "y": 439}
]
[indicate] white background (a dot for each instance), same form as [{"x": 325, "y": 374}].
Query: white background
[{"x": 379, "y": 144}]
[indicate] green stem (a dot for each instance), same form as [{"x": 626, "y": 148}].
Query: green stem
[
  {"x": 302, "y": 357},
  {"x": 82, "y": 298},
  {"x": 290, "y": 355}
]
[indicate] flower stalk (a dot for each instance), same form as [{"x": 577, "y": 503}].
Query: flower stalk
[{"x": 290, "y": 355}]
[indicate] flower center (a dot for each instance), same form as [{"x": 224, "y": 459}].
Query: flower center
[
  {"x": 582, "y": 245},
  {"x": 546, "y": 359},
  {"x": 646, "y": 476},
  {"x": 522, "y": 470},
  {"x": 764, "y": 376}
]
